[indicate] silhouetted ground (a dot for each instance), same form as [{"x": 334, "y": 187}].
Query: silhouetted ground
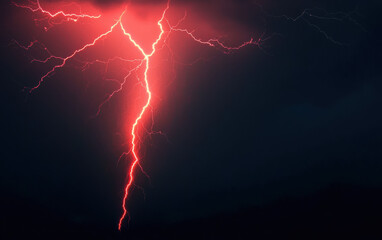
[{"x": 336, "y": 212}]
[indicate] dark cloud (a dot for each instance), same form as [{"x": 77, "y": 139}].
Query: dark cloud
[{"x": 294, "y": 127}]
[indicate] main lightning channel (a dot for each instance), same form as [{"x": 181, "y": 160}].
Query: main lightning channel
[{"x": 137, "y": 120}]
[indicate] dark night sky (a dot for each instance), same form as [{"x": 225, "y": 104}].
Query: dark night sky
[{"x": 280, "y": 142}]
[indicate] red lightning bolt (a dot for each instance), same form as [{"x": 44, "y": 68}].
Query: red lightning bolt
[
  {"x": 133, "y": 130},
  {"x": 141, "y": 62}
]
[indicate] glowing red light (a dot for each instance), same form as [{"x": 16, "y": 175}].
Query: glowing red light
[{"x": 165, "y": 28}]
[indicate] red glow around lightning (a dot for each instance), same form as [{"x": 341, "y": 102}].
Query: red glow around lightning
[{"x": 143, "y": 62}]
